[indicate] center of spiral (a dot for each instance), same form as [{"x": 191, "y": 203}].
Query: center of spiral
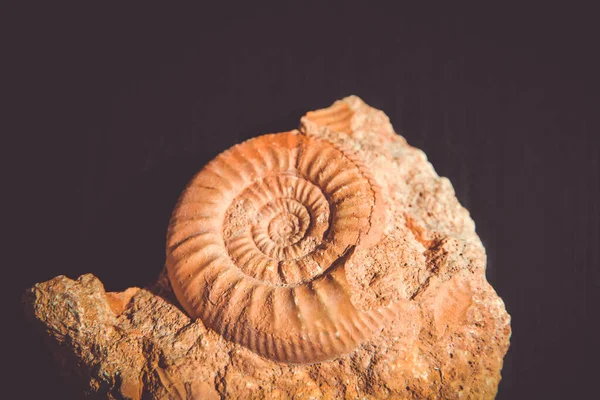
[
  {"x": 274, "y": 227},
  {"x": 285, "y": 229}
]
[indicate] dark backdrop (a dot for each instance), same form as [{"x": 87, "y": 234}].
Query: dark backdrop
[{"x": 112, "y": 111}]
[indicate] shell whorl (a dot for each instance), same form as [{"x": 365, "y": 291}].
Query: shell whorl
[{"x": 258, "y": 241}]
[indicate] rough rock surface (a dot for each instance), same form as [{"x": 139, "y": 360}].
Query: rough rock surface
[{"x": 448, "y": 341}]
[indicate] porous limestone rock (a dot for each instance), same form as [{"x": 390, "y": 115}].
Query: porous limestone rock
[{"x": 325, "y": 262}]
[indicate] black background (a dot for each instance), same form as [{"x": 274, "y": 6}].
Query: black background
[{"x": 111, "y": 111}]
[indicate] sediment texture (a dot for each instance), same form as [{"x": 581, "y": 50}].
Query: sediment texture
[{"x": 325, "y": 262}]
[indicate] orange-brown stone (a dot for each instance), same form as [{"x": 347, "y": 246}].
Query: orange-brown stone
[{"x": 325, "y": 262}]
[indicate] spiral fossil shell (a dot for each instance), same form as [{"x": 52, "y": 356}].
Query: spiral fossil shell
[
  {"x": 258, "y": 243},
  {"x": 337, "y": 117}
]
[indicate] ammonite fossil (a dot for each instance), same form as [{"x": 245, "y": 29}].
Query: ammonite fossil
[{"x": 258, "y": 243}]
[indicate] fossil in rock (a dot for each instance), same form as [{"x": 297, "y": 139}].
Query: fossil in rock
[
  {"x": 326, "y": 262},
  {"x": 258, "y": 242}
]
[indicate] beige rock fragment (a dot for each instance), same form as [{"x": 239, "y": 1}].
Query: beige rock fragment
[{"x": 325, "y": 262}]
